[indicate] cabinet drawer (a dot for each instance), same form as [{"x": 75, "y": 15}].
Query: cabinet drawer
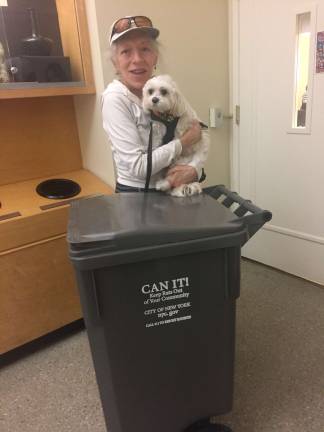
[{"x": 20, "y": 231}]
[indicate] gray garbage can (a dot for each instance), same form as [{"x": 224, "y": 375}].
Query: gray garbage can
[{"x": 158, "y": 278}]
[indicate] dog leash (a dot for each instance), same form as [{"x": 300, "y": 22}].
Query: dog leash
[{"x": 149, "y": 160}]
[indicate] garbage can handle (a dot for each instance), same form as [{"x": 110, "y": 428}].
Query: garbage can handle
[{"x": 253, "y": 216}]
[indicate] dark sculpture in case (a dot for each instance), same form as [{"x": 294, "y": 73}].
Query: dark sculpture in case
[
  {"x": 36, "y": 45},
  {"x": 35, "y": 64}
]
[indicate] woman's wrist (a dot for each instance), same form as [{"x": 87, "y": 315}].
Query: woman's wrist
[{"x": 182, "y": 174}]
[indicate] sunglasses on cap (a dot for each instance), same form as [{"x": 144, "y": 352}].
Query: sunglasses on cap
[{"x": 132, "y": 22}]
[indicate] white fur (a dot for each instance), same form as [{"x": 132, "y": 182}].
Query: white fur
[{"x": 169, "y": 101}]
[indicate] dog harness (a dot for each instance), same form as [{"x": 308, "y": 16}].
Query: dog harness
[{"x": 170, "y": 123}]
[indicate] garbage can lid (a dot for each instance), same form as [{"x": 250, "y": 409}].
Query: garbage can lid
[{"x": 133, "y": 220}]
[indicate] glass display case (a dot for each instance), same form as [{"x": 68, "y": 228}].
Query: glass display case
[{"x": 42, "y": 45}]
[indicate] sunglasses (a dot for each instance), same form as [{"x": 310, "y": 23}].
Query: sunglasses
[{"x": 134, "y": 21}]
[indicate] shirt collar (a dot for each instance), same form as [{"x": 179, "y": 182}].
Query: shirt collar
[{"x": 131, "y": 96}]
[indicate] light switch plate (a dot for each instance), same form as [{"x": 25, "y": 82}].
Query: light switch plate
[{"x": 215, "y": 117}]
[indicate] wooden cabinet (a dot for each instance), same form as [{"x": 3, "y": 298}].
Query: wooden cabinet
[
  {"x": 38, "y": 292},
  {"x": 72, "y": 38},
  {"x": 40, "y": 140}
]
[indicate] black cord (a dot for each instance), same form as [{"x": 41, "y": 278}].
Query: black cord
[{"x": 149, "y": 160}]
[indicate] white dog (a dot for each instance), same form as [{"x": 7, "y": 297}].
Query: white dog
[{"x": 162, "y": 97}]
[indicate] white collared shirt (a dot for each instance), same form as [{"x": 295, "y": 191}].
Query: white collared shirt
[{"x": 128, "y": 128}]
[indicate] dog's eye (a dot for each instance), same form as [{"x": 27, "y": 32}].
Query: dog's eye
[
  {"x": 163, "y": 91},
  {"x": 150, "y": 91}
]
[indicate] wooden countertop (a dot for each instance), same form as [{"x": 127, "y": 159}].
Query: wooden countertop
[
  {"x": 26, "y": 217},
  {"x": 22, "y": 197}
]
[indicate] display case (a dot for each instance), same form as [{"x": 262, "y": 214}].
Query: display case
[{"x": 44, "y": 48}]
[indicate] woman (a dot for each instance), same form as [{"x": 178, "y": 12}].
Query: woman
[{"x": 134, "y": 55}]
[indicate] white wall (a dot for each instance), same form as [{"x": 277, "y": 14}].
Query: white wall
[
  {"x": 194, "y": 39},
  {"x": 96, "y": 153}
]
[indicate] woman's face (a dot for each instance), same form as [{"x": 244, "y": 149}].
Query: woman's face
[{"x": 135, "y": 58}]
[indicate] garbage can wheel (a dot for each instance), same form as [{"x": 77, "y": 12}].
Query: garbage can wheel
[
  {"x": 216, "y": 427},
  {"x": 204, "y": 425}
]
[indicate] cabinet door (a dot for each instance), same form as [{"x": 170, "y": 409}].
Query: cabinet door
[
  {"x": 33, "y": 302},
  {"x": 44, "y": 49}
]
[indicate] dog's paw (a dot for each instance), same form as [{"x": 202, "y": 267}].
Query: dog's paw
[
  {"x": 178, "y": 191},
  {"x": 162, "y": 185},
  {"x": 186, "y": 190},
  {"x": 193, "y": 189}
]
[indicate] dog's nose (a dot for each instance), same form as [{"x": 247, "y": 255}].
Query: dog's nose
[{"x": 155, "y": 100}]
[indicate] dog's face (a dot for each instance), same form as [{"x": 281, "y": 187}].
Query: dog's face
[{"x": 161, "y": 96}]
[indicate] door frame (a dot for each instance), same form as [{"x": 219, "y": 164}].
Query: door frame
[
  {"x": 234, "y": 91},
  {"x": 246, "y": 186}
]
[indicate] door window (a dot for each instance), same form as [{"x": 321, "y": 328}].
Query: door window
[{"x": 303, "y": 71}]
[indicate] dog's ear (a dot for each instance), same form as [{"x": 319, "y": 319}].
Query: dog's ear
[
  {"x": 179, "y": 105},
  {"x": 145, "y": 100},
  {"x": 146, "y": 105},
  {"x": 149, "y": 83}
]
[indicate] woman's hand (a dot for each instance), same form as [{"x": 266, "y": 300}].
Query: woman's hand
[
  {"x": 192, "y": 135},
  {"x": 181, "y": 174}
]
